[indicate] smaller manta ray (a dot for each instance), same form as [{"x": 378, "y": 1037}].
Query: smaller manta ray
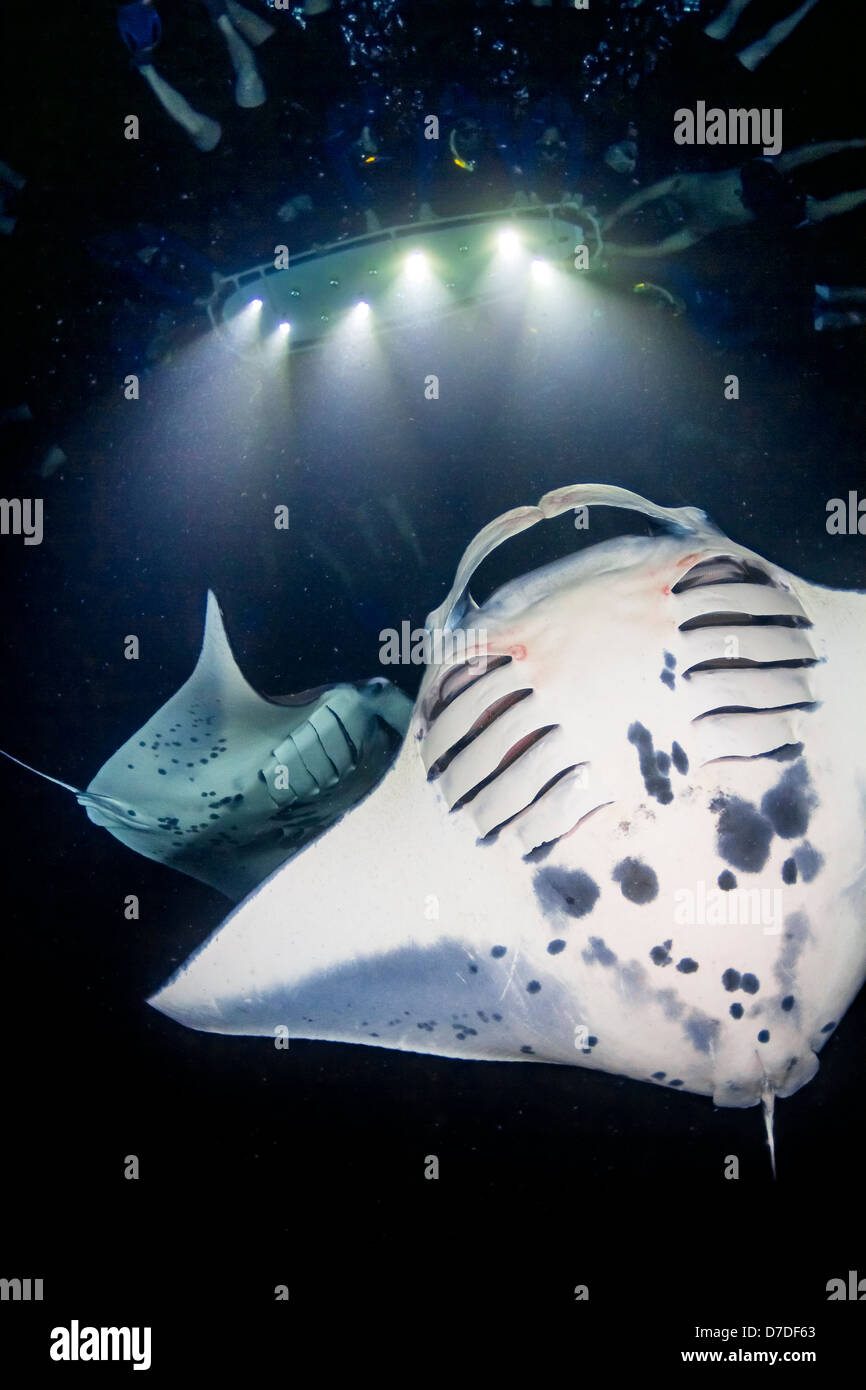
[
  {"x": 226, "y": 786},
  {"x": 571, "y": 859}
]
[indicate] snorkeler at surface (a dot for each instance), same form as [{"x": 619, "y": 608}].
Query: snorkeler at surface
[
  {"x": 254, "y": 29},
  {"x": 551, "y": 149},
  {"x": 760, "y": 191},
  {"x": 141, "y": 30},
  {"x": 163, "y": 264},
  {"x": 613, "y": 176},
  {"x": 226, "y": 14},
  {"x": 353, "y": 152},
  {"x": 352, "y": 146},
  {"x": 832, "y": 307},
  {"x": 752, "y": 56},
  {"x": 473, "y": 136}
]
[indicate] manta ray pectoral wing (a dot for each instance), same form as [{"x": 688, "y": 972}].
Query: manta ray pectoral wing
[{"x": 377, "y": 933}]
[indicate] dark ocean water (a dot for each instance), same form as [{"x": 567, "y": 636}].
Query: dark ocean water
[{"x": 250, "y": 1177}]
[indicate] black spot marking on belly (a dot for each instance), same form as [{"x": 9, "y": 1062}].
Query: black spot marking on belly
[
  {"x": 789, "y": 804},
  {"x": 687, "y": 966},
  {"x": 637, "y": 881},
  {"x": 597, "y": 951},
  {"x": 659, "y": 1075},
  {"x": 736, "y": 1011},
  {"x": 591, "y": 1041},
  {"x": 743, "y": 834},
  {"x": 731, "y": 980},
  {"x": 751, "y": 984},
  {"x": 533, "y": 987},
  {"x": 498, "y": 951},
  {"x": 663, "y": 762},
  {"x": 808, "y": 861},
  {"x": 571, "y": 891},
  {"x": 788, "y": 1003},
  {"x": 656, "y": 784},
  {"x": 828, "y": 1027},
  {"x": 667, "y": 678},
  {"x": 660, "y": 955},
  {"x": 764, "y": 1035},
  {"x": 680, "y": 761},
  {"x": 670, "y": 660},
  {"x": 789, "y": 871},
  {"x": 528, "y": 1050},
  {"x": 675, "y": 1083},
  {"x": 554, "y": 947},
  {"x": 726, "y": 881},
  {"x": 788, "y": 753}
]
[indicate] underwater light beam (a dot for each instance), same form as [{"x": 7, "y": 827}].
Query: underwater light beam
[
  {"x": 275, "y": 346},
  {"x": 542, "y": 271},
  {"x": 417, "y": 268},
  {"x": 509, "y": 242},
  {"x": 245, "y": 324}
]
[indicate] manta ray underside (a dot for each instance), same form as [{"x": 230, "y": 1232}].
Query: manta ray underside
[
  {"x": 629, "y": 837},
  {"x": 226, "y": 786}
]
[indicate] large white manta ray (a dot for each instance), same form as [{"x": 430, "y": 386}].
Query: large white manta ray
[{"x": 630, "y": 837}]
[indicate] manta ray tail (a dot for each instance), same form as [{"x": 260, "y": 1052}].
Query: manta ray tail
[
  {"x": 106, "y": 803},
  {"x": 44, "y": 775},
  {"x": 768, "y": 1099}
]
